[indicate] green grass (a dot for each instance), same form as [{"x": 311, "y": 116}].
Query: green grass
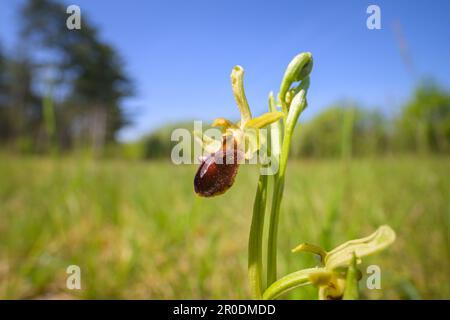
[{"x": 137, "y": 230}]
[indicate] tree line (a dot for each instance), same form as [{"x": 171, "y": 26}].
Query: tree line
[{"x": 60, "y": 88}]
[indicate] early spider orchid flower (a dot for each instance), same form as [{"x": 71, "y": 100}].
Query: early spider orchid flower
[
  {"x": 239, "y": 141},
  {"x": 337, "y": 276}
]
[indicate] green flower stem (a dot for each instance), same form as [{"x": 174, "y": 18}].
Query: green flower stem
[
  {"x": 289, "y": 282},
  {"x": 351, "y": 287},
  {"x": 298, "y": 70},
  {"x": 274, "y": 216},
  {"x": 297, "y": 106},
  {"x": 276, "y": 131},
  {"x": 255, "y": 244},
  {"x": 255, "y": 268}
]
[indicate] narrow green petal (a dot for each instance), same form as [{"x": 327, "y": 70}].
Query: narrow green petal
[
  {"x": 264, "y": 120},
  {"x": 306, "y": 247}
]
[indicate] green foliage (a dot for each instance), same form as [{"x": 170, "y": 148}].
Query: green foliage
[
  {"x": 340, "y": 130},
  {"x": 424, "y": 124},
  {"x": 21, "y": 105},
  {"x": 158, "y": 144},
  {"x": 85, "y": 75},
  {"x": 5, "y": 125}
]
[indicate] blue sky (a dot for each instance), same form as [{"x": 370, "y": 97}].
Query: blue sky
[{"x": 180, "y": 53}]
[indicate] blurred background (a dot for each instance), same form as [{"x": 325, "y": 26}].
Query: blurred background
[{"x": 85, "y": 123}]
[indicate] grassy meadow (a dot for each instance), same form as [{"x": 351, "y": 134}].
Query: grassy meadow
[{"x": 137, "y": 230}]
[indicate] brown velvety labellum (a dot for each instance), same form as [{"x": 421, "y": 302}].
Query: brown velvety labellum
[{"x": 217, "y": 172}]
